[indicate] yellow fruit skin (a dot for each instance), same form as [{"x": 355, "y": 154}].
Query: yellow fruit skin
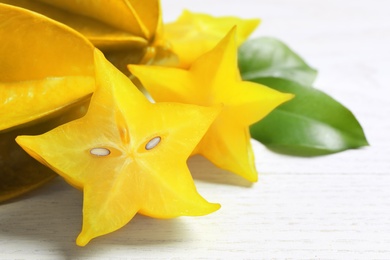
[
  {"x": 19, "y": 172},
  {"x": 44, "y": 67},
  {"x": 46, "y": 70},
  {"x": 127, "y": 31},
  {"x": 132, "y": 173}
]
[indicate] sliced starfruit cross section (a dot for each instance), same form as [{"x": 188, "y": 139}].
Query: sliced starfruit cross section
[
  {"x": 128, "y": 155},
  {"x": 214, "y": 79}
]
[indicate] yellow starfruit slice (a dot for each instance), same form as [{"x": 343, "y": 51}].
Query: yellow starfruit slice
[
  {"x": 128, "y": 155},
  {"x": 45, "y": 66},
  {"x": 127, "y": 31},
  {"x": 214, "y": 79},
  {"x": 194, "y": 34}
]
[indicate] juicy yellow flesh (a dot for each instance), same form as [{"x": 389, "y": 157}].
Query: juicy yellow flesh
[
  {"x": 214, "y": 80},
  {"x": 130, "y": 178}
]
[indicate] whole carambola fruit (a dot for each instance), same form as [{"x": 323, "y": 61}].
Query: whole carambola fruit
[{"x": 46, "y": 70}]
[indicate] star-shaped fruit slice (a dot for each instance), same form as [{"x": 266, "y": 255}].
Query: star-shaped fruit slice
[
  {"x": 128, "y": 155},
  {"x": 214, "y": 79},
  {"x": 194, "y": 34}
]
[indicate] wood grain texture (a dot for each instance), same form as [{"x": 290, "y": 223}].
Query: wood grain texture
[{"x": 330, "y": 207}]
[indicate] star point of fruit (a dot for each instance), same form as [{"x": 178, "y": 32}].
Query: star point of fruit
[
  {"x": 127, "y": 155},
  {"x": 214, "y": 79}
]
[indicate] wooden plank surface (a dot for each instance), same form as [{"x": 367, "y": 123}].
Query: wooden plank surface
[{"x": 330, "y": 207}]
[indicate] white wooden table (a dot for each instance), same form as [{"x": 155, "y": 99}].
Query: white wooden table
[{"x": 331, "y": 207}]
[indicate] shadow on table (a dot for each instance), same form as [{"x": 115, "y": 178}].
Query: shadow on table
[
  {"x": 47, "y": 222},
  {"x": 203, "y": 170}
]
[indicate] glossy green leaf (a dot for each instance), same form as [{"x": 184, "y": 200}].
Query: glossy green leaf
[
  {"x": 269, "y": 57},
  {"x": 311, "y": 124}
]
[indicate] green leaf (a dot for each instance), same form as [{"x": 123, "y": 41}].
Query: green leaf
[
  {"x": 310, "y": 124},
  {"x": 268, "y": 57}
]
